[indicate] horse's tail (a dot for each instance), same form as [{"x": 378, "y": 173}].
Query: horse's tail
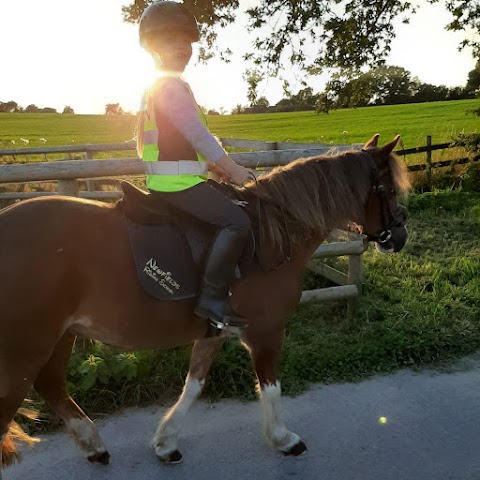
[{"x": 15, "y": 434}]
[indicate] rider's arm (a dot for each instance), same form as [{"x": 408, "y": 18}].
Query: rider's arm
[{"x": 177, "y": 103}]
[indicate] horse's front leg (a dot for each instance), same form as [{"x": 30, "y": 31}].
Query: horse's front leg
[
  {"x": 265, "y": 349},
  {"x": 166, "y": 436}
]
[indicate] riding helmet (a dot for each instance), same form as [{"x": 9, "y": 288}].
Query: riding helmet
[{"x": 166, "y": 16}]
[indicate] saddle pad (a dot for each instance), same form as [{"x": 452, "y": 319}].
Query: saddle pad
[{"x": 164, "y": 262}]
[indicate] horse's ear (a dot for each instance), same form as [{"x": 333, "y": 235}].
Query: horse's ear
[
  {"x": 372, "y": 143},
  {"x": 387, "y": 149}
]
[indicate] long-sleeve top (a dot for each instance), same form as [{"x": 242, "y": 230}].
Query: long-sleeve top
[{"x": 175, "y": 100}]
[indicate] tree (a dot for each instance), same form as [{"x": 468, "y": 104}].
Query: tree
[
  {"x": 323, "y": 104},
  {"x": 32, "y": 109},
  {"x": 458, "y": 93},
  {"x": 8, "y": 107},
  {"x": 349, "y": 93},
  {"x": 113, "y": 109},
  {"x": 262, "y": 102},
  {"x": 393, "y": 85},
  {"x": 473, "y": 82},
  {"x": 348, "y": 34},
  {"x": 285, "y": 105},
  {"x": 68, "y": 109},
  {"x": 431, "y": 93},
  {"x": 260, "y": 106},
  {"x": 238, "y": 109},
  {"x": 304, "y": 99},
  {"x": 253, "y": 78}
]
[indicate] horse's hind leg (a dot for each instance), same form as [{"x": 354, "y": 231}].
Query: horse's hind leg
[
  {"x": 51, "y": 385},
  {"x": 166, "y": 436},
  {"x": 19, "y": 365},
  {"x": 265, "y": 349},
  {"x": 9, "y": 404}
]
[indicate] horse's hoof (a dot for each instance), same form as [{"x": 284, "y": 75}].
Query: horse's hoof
[
  {"x": 298, "y": 449},
  {"x": 172, "y": 458},
  {"x": 101, "y": 458}
]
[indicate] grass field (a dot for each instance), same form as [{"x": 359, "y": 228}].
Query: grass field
[
  {"x": 420, "y": 306},
  {"x": 441, "y": 120}
]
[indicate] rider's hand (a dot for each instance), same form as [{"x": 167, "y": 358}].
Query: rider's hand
[
  {"x": 236, "y": 173},
  {"x": 240, "y": 175},
  {"x": 218, "y": 173}
]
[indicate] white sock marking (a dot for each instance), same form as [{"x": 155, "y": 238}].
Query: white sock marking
[
  {"x": 274, "y": 426},
  {"x": 86, "y": 435},
  {"x": 166, "y": 436}
]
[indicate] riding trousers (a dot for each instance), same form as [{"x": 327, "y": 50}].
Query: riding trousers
[{"x": 208, "y": 205}]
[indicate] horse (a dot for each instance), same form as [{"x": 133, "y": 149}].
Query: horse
[{"x": 67, "y": 270}]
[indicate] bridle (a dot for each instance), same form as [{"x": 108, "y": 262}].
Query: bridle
[{"x": 389, "y": 218}]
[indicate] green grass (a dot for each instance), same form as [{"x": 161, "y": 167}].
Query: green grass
[
  {"x": 64, "y": 129},
  {"x": 441, "y": 120}
]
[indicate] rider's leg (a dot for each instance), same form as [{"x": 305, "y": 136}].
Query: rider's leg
[{"x": 209, "y": 205}]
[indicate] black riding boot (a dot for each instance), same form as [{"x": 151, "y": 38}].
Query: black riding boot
[{"x": 219, "y": 272}]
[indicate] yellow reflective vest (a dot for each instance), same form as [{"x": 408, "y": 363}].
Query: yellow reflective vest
[{"x": 171, "y": 163}]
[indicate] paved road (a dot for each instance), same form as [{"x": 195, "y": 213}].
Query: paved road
[{"x": 432, "y": 432}]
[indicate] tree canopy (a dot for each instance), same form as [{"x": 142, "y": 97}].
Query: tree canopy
[
  {"x": 473, "y": 82},
  {"x": 347, "y": 34}
]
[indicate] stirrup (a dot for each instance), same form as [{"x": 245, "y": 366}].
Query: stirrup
[
  {"x": 216, "y": 328},
  {"x": 232, "y": 320}
]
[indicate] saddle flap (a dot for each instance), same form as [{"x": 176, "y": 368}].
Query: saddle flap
[{"x": 164, "y": 262}]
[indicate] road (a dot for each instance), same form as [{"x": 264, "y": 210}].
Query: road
[{"x": 430, "y": 431}]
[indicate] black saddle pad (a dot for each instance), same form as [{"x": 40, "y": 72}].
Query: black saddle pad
[
  {"x": 169, "y": 247},
  {"x": 164, "y": 261}
]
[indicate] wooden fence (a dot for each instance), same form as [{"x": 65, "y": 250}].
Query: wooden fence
[{"x": 67, "y": 174}]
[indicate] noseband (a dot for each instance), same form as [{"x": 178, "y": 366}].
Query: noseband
[{"x": 389, "y": 218}]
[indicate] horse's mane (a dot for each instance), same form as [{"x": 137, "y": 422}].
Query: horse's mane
[{"x": 309, "y": 196}]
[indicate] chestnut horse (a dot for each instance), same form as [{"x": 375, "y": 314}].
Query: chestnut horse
[{"x": 66, "y": 269}]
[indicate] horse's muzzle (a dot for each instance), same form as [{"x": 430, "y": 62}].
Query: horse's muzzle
[
  {"x": 394, "y": 242},
  {"x": 395, "y": 236}
]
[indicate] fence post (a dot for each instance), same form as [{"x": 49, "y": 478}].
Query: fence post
[
  {"x": 90, "y": 183},
  {"x": 355, "y": 277},
  {"x": 428, "y": 161},
  {"x": 68, "y": 188}
]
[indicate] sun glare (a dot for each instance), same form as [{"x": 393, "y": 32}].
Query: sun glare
[{"x": 132, "y": 82}]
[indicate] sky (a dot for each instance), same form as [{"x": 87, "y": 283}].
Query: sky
[{"x": 56, "y": 53}]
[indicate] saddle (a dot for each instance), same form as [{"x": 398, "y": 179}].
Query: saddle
[{"x": 169, "y": 246}]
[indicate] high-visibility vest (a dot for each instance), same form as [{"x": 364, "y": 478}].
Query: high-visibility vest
[{"x": 170, "y": 161}]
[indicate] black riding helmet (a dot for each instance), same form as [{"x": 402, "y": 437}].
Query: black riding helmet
[{"x": 167, "y": 16}]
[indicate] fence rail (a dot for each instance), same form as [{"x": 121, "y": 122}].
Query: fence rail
[
  {"x": 267, "y": 154},
  {"x": 259, "y": 145}
]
